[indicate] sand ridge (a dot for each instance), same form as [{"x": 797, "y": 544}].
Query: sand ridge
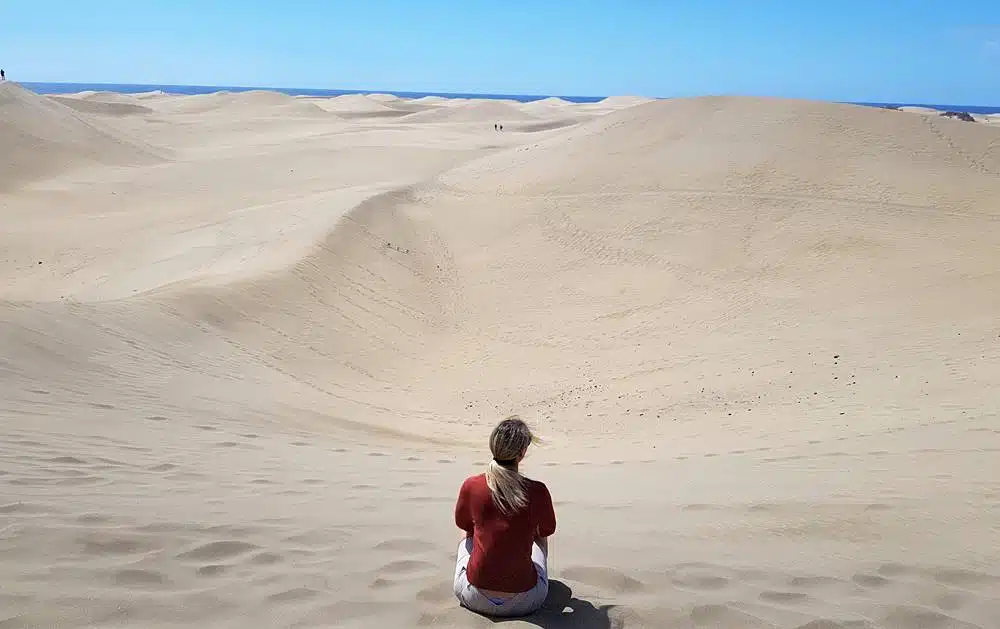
[
  {"x": 250, "y": 345},
  {"x": 42, "y": 137},
  {"x": 482, "y": 112}
]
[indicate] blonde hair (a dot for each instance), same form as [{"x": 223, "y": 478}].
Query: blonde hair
[{"x": 509, "y": 439}]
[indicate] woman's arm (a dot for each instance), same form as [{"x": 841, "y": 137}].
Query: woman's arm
[
  {"x": 546, "y": 515},
  {"x": 463, "y": 512}
]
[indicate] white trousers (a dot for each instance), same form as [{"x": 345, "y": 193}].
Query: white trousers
[{"x": 520, "y": 604}]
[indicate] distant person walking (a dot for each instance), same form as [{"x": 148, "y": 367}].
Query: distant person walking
[{"x": 3, "y": 75}]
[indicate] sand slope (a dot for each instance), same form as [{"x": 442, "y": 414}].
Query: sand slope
[
  {"x": 481, "y": 112},
  {"x": 103, "y": 108},
  {"x": 255, "y": 103},
  {"x": 41, "y": 136},
  {"x": 246, "y": 382},
  {"x": 746, "y": 145}
]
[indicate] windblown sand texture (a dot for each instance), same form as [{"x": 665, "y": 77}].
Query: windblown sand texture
[{"x": 250, "y": 345}]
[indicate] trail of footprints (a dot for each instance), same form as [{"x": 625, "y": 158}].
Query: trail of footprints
[{"x": 157, "y": 557}]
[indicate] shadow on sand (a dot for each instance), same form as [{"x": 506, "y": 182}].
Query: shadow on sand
[{"x": 563, "y": 611}]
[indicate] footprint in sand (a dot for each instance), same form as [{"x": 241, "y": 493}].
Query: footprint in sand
[
  {"x": 407, "y": 566},
  {"x": 438, "y": 593},
  {"x": 878, "y": 506},
  {"x": 950, "y": 601},
  {"x": 101, "y": 544},
  {"x": 725, "y": 616},
  {"x": 404, "y": 545},
  {"x": 22, "y": 507},
  {"x": 870, "y": 580},
  {"x": 294, "y": 595},
  {"x": 212, "y": 570},
  {"x": 967, "y": 579},
  {"x": 895, "y": 570},
  {"x": 316, "y": 539},
  {"x": 66, "y": 460},
  {"x": 825, "y": 623},
  {"x": 134, "y": 578},
  {"x": 784, "y": 598},
  {"x": 701, "y": 582},
  {"x": 213, "y": 551},
  {"x": 604, "y": 578},
  {"x": 922, "y": 618},
  {"x": 266, "y": 559},
  {"x": 812, "y": 583}
]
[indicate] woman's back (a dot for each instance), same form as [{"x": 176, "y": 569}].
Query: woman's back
[{"x": 501, "y": 552}]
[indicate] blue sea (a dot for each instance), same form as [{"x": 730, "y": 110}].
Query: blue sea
[{"x": 69, "y": 88}]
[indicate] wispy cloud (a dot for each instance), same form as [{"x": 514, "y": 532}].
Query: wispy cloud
[
  {"x": 983, "y": 39},
  {"x": 991, "y": 48}
]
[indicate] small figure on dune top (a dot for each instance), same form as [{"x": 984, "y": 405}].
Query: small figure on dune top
[
  {"x": 505, "y": 519},
  {"x": 3, "y": 75}
]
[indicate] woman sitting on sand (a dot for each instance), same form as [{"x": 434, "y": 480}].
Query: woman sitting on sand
[{"x": 506, "y": 519}]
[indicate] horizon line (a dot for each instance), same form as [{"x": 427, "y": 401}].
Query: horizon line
[{"x": 488, "y": 95}]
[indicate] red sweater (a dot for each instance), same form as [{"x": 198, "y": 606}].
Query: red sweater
[{"x": 501, "y": 544}]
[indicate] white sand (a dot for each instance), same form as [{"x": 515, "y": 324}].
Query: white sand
[
  {"x": 249, "y": 351},
  {"x": 921, "y": 110}
]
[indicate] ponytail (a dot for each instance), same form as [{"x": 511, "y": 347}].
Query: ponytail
[
  {"x": 507, "y": 487},
  {"x": 508, "y": 442}
]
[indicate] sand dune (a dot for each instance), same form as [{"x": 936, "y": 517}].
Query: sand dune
[
  {"x": 106, "y": 97},
  {"x": 481, "y": 112},
  {"x": 384, "y": 98},
  {"x": 361, "y": 106},
  {"x": 152, "y": 94},
  {"x": 101, "y": 96},
  {"x": 431, "y": 100},
  {"x": 551, "y": 101},
  {"x": 262, "y": 103},
  {"x": 613, "y": 103},
  {"x": 42, "y": 137},
  {"x": 920, "y": 110},
  {"x": 196, "y": 103},
  {"x": 622, "y": 102},
  {"x": 103, "y": 108},
  {"x": 743, "y": 146},
  {"x": 245, "y": 379}
]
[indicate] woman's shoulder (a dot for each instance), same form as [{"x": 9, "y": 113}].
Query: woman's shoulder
[
  {"x": 536, "y": 485},
  {"x": 474, "y": 480}
]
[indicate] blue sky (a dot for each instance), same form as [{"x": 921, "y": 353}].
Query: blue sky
[{"x": 876, "y": 50}]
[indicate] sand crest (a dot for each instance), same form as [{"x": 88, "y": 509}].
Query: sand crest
[
  {"x": 251, "y": 344},
  {"x": 103, "y": 108},
  {"x": 481, "y": 112}
]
